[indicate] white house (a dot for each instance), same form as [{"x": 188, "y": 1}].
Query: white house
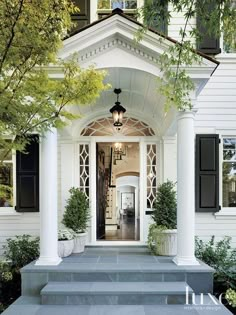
[{"x": 195, "y": 148}]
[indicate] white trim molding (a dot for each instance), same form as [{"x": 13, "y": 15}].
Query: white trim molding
[{"x": 225, "y": 212}]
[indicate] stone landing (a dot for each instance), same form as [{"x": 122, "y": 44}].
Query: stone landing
[{"x": 115, "y": 280}]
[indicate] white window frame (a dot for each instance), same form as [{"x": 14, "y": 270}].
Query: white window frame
[
  {"x": 155, "y": 166},
  {"x": 222, "y": 44},
  {"x": 94, "y": 11},
  {"x": 126, "y": 10},
  {"x": 223, "y": 52},
  {"x": 225, "y": 212},
  {"x": 11, "y": 210}
]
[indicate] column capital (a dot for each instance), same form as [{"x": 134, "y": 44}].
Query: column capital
[
  {"x": 169, "y": 139},
  {"x": 51, "y": 132},
  {"x": 187, "y": 113}
]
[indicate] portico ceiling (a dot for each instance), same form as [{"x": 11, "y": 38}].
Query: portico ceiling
[{"x": 139, "y": 96}]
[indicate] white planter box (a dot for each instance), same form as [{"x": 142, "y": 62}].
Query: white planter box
[
  {"x": 166, "y": 242},
  {"x": 79, "y": 243},
  {"x": 65, "y": 248}
]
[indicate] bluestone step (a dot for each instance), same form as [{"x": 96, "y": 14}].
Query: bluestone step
[
  {"x": 34, "y": 279},
  {"x": 114, "y": 293},
  {"x": 32, "y": 306}
]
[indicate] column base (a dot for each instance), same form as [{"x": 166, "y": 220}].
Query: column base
[
  {"x": 48, "y": 261},
  {"x": 186, "y": 261}
]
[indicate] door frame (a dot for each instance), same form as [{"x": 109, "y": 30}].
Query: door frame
[{"x": 93, "y": 171}]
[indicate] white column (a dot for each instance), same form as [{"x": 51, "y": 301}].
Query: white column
[
  {"x": 48, "y": 200},
  {"x": 185, "y": 189},
  {"x": 93, "y": 190}
]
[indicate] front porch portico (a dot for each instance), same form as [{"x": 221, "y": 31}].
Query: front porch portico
[
  {"x": 113, "y": 40},
  {"x": 185, "y": 179}
]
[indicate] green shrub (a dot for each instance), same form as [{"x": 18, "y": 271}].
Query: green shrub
[
  {"x": 165, "y": 206},
  {"x": 65, "y": 235},
  {"x": 231, "y": 297},
  {"x": 164, "y": 214},
  {"x": 220, "y": 256},
  {"x": 151, "y": 239},
  {"x": 6, "y": 193},
  {"x": 21, "y": 250},
  {"x": 76, "y": 215},
  {"x": 5, "y": 271},
  {"x": 10, "y": 285}
]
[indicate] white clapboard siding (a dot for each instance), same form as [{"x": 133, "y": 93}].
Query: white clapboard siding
[
  {"x": 19, "y": 224},
  {"x": 217, "y": 112},
  {"x": 177, "y": 21},
  {"x": 207, "y": 225},
  {"x": 25, "y": 223}
]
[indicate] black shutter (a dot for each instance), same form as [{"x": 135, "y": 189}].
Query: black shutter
[
  {"x": 207, "y": 173},
  {"x": 208, "y": 44},
  {"x": 81, "y": 18},
  {"x": 27, "y": 177}
]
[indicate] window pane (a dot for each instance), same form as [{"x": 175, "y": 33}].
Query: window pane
[
  {"x": 84, "y": 168},
  {"x": 229, "y": 149},
  {"x": 130, "y": 4},
  {"x": 229, "y": 184},
  {"x": 230, "y": 47},
  {"x": 151, "y": 174},
  {"x": 113, "y": 4},
  {"x": 103, "y": 4},
  {"x": 117, "y": 4},
  {"x": 5, "y": 152},
  {"x": 229, "y": 36},
  {"x": 6, "y": 185}
]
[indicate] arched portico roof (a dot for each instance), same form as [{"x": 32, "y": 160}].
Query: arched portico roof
[{"x": 109, "y": 44}]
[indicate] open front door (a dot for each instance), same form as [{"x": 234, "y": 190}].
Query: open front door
[{"x": 101, "y": 195}]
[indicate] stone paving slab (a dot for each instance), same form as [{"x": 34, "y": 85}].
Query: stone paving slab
[
  {"x": 144, "y": 265},
  {"x": 118, "y": 258},
  {"x": 74, "y": 288},
  {"x": 37, "y": 309}
]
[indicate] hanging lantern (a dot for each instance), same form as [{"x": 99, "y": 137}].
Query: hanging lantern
[{"x": 117, "y": 110}]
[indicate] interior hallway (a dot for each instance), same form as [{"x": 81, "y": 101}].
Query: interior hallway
[{"x": 128, "y": 230}]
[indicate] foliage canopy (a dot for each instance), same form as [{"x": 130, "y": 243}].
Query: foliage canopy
[
  {"x": 31, "y": 34},
  {"x": 175, "y": 83}
]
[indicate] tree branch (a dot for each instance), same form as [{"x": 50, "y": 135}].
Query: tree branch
[
  {"x": 19, "y": 70},
  {"x": 182, "y": 41},
  {"x": 8, "y": 45}
]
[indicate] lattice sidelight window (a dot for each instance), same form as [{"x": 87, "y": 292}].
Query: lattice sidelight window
[
  {"x": 84, "y": 168},
  {"x": 151, "y": 174}
]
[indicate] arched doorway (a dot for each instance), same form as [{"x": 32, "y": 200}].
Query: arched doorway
[
  {"x": 118, "y": 213},
  {"x": 116, "y": 196}
]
